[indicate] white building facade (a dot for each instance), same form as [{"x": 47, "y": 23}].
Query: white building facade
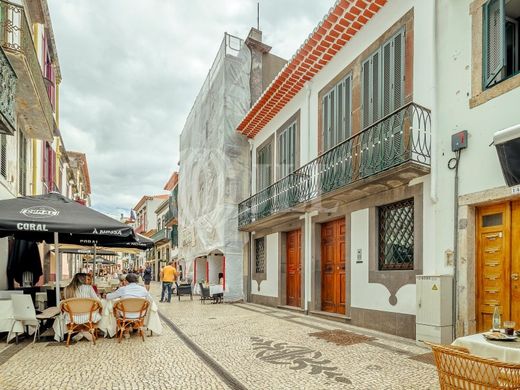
[{"x": 338, "y": 222}]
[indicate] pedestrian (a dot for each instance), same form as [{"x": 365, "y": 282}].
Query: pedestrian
[
  {"x": 168, "y": 276},
  {"x": 147, "y": 276}
]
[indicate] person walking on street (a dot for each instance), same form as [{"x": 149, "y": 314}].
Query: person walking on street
[
  {"x": 168, "y": 276},
  {"x": 147, "y": 276}
]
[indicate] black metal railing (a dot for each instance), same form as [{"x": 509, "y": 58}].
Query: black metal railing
[{"x": 401, "y": 136}]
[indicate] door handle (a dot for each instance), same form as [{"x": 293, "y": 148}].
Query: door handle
[{"x": 514, "y": 276}]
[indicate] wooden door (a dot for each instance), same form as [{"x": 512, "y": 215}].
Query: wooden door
[
  {"x": 493, "y": 263},
  {"x": 294, "y": 268},
  {"x": 333, "y": 278},
  {"x": 515, "y": 262}
]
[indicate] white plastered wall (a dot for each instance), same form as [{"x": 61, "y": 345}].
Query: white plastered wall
[{"x": 365, "y": 295}]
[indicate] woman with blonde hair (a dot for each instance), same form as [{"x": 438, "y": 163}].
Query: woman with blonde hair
[{"x": 79, "y": 288}]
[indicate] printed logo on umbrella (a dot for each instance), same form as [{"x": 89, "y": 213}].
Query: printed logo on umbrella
[
  {"x": 39, "y": 212},
  {"x": 112, "y": 232}
]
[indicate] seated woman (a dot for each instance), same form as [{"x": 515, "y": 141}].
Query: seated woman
[{"x": 79, "y": 288}]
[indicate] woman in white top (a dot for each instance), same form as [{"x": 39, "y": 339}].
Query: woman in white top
[{"x": 78, "y": 288}]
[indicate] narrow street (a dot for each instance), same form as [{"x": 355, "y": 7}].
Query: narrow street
[{"x": 236, "y": 346}]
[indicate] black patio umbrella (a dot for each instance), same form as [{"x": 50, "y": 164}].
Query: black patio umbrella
[
  {"x": 141, "y": 242},
  {"x": 53, "y": 217}
]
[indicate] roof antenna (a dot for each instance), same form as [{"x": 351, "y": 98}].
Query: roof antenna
[{"x": 258, "y": 16}]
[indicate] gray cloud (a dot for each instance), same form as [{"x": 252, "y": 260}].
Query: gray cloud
[{"x": 131, "y": 70}]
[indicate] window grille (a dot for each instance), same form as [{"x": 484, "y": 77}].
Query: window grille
[
  {"x": 260, "y": 255},
  {"x": 3, "y": 156},
  {"x": 396, "y": 236}
]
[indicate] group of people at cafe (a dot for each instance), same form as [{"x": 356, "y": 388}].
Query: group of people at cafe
[{"x": 81, "y": 287}]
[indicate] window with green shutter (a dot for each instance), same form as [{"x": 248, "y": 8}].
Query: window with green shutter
[
  {"x": 501, "y": 43},
  {"x": 337, "y": 113},
  {"x": 287, "y": 150},
  {"x": 382, "y": 85},
  {"x": 264, "y": 166},
  {"x": 22, "y": 164}
]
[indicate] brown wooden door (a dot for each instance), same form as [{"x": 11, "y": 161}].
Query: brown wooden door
[
  {"x": 333, "y": 288},
  {"x": 498, "y": 266},
  {"x": 294, "y": 268}
]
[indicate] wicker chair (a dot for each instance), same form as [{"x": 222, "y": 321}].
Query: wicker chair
[
  {"x": 130, "y": 314},
  {"x": 81, "y": 315},
  {"x": 458, "y": 369}
]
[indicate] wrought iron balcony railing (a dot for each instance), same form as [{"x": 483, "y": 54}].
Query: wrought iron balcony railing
[
  {"x": 7, "y": 95},
  {"x": 16, "y": 39},
  {"x": 399, "y": 137},
  {"x": 161, "y": 235}
]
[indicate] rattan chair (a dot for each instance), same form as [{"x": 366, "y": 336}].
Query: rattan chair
[
  {"x": 81, "y": 315},
  {"x": 130, "y": 314},
  {"x": 458, "y": 369}
]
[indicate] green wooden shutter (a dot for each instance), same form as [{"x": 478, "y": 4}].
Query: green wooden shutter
[
  {"x": 398, "y": 70},
  {"x": 365, "y": 92},
  {"x": 494, "y": 44},
  {"x": 347, "y": 111}
]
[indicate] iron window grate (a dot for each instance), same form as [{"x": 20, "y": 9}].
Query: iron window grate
[
  {"x": 396, "y": 236},
  {"x": 260, "y": 255}
]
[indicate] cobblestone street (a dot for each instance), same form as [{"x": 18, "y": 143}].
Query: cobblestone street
[{"x": 241, "y": 346}]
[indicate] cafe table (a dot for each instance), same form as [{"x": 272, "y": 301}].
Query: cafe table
[{"x": 506, "y": 351}]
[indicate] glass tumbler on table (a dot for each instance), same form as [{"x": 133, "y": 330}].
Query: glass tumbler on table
[{"x": 509, "y": 328}]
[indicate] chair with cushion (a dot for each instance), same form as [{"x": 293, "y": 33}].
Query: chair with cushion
[
  {"x": 24, "y": 312},
  {"x": 458, "y": 369},
  {"x": 81, "y": 313},
  {"x": 130, "y": 314}
]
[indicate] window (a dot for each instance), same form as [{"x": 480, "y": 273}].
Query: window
[
  {"x": 3, "y": 156},
  {"x": 264, "y": 166},
  {"x": 22, "y": 163},
  {"x": 260, "y": 255},
  {"x": 501, "y": 47},
  {"x": 396, "y": 236},
  {"x": 382, "y": 76},
  {"x": 287, "y": 150},
  {"x": 336, "y": 113}
]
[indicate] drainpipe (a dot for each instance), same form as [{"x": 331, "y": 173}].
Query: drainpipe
[
  {"x": 433, "y": 133},
  {"x": 250, "y": 235},
  {"x": 308, "y": 215}
]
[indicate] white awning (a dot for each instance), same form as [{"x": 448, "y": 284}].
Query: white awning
[{"x": 506, "y": 135}]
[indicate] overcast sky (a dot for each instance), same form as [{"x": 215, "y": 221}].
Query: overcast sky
[{"x": 132, "y": 69}]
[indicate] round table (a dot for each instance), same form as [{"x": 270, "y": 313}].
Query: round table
[{"x": 506, "y": 351}]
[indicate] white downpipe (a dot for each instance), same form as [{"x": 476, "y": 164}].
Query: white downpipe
[
  {"x": 308, "y": 258},
  {"x": 434, "y": 113},
  {"x": 308, "y": 224}
]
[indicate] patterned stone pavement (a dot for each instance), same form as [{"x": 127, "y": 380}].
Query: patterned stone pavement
[{"x": 238, "y": 346}]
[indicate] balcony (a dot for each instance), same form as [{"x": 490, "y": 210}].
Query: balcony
[
  {"x": 161, "y": 237},
  {"x": 7, "y": 96},
  {"x": 32, "y": 100},
  {"x": 387, "y": 154}
]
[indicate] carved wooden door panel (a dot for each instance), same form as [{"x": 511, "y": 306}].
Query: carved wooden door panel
[
  {"x": 294, "y": 267},
  {"x": 333, "y": 292},
  {"x": 493, "y": 264}
]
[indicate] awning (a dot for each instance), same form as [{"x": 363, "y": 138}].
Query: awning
[{"x": 507, "y": 142}]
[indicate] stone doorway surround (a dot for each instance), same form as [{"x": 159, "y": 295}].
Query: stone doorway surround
[{"x": 466, "y": 261}]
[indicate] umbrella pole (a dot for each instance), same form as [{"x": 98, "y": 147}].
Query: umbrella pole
[
  {"x": 94, "y": 267},
  {"x": 57, "y": 255}
]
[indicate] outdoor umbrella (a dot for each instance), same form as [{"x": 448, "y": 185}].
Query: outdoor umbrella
[{"x": 53, "y": 217}]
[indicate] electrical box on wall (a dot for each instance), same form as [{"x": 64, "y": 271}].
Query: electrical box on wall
[
  {"x": 433, "y": 310},
  {"x": 459, "y": 141}
]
